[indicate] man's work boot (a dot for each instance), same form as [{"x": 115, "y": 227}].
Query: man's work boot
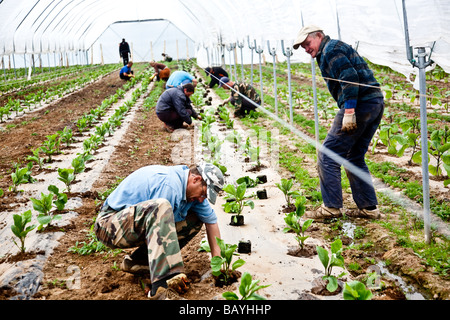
[
  {"x": 323, "y": 213},
  {"x": 134, "y": 266},
  {"x": 364, "y": 213}
]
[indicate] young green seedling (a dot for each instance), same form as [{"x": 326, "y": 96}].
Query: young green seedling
[
  {"x": 239, "y": 202},
  {"x": 20, "y": 229},
  {"x": 292, "y": 219},
  {"x": 356, "y": 290},
  {"x": 334, "y": 260},
  {"x": 247, "y": 289},
  {"x": 285, "y": 186},
  {"x": 44, "y": 206},
  {"x": 221, "y": 266},
  {"x": 66, "y": 176}
]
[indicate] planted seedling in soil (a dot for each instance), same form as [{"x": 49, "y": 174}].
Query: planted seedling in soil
[
  {"x": 247, "y": 289},
  {"x": 356, "y": 290},
  {"x": 44, "y": 205},
  {"x": 221, "y": 266},
  {"x": 20, "y": 229},
  {"x": 328, "y": 284},
  {"x": 285, "y": 186},
  {"x": 238, "y": 203},
  {"x": 293, "y": 221}
]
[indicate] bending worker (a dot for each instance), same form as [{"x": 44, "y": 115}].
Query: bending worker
[
  {"x": 243, "y": 106},
  {"x": 179, "y": 78},
  {"x": 162, "y": 72},
  {"x": 360, "y": 100},
  {"x": 159, "y": 209},
  {"x": 126, "y": 73},
  {"x": 216, "y": 73},
  {"x": 174, "y": 107}
]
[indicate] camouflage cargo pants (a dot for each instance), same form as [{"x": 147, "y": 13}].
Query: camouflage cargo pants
[{"x": 149, "y": 223}]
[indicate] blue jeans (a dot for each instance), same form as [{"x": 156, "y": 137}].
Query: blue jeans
[{"x": 353, "y": 148}]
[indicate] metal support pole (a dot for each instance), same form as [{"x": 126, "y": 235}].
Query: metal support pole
[
  {"x": 287, "y": 52},
  {"x": 251, "y": 63},
  {"x": 273, "y": 53},
  {"x": 241, "y": 45},
  {"x": 259, "y": 51},
  {"x": 316, "y": 111},
  {"x": 230, "y": 47},
  {"x": 421, "y": 64},
  {"x": 424, "y": 143}
]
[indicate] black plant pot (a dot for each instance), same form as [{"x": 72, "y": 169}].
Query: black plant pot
[
  {"x": 237, "y": 220},
  {"x": 262, "y": 178},
  {"x": 245, "y": 246},
  {"x": 262, "y": 194}
]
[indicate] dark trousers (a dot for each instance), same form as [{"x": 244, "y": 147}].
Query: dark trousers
[
  {"x": 125, "y": 58},
  {"x": 245, "y": 108},
  {"x": 353, "y": 148},
  {"x": 172, "y": 118}
]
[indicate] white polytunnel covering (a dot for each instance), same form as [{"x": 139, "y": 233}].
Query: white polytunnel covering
[{"x": 197, "y": 28}]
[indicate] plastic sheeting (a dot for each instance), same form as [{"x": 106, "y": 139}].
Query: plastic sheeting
[{"x": 375, "y": 27}]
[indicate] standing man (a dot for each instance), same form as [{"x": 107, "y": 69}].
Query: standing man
[
  {"x": 243, "y": 106},
  {"x": 179, "y": 78},
  {"x": 124, "y": 51},
  {"x": 174, "y": 107},
  {"x": 126, "y": 73},
  {"x": 360, "y": 100},
  {"x": 159, "y": 209},
  {"x": 216, "y": 73}
]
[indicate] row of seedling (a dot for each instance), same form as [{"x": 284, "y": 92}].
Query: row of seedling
[{"x": 55, "y": 200}]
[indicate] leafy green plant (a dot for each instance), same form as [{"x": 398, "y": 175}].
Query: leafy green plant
[
  {"x": 67, "y": 176},
  {"x": 20, "y": 176},
  {"x": 221, "y": 266},
  {"x": 329, "y": 262},
  {"x": 44, "y": 206},
  {"x": 356, "y": 290},
  {"x": 285, "y": 186},
  {"x": 20, "y": 229},
  {"x": 238, "y": 195},
  {"x": 61, "y": 198},
  {"x": 51, "y": 146},
  {"x": 292, "y": 219},
  {"x": 439, "y": 146},
  {"x": 36, "y": 158},
  {"x": 247, "y": 289},
  {"x": 66, "y": 136}
]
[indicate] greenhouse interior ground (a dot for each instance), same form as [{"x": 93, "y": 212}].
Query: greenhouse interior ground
[{"x": 52, "y": 114}]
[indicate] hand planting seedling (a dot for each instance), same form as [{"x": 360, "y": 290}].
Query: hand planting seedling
[
  {"x": 20, "y": 229},
  {"x": 247, "y": 289},
  {"x": 221, "y": 266},
  {"x": 334, "y": 260},
  {"x": 238, "y": 202}
]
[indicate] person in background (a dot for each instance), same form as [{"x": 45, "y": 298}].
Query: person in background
[
  {"x": 360, "y": 100},
  {"x": 166, "y": 57},
  {"x": 174, "y": 107},
  {"x": 162, "y": 72},
  {"x": 180, "y": 78},
  {"x": 126, "y": 73},
  {"x": 216, "y": 73},
  {"x": 159, "y": 209},
  {"x": 124, "y": 51},
  {"x": 243, "y": 106}
]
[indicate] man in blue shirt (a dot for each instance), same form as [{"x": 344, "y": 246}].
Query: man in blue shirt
[
  {"x": 159, "y": 209},
  {"x": 360, "y": 100},
  {"x": 179, "y": 78},
  {"x": 126, "y": 73}
]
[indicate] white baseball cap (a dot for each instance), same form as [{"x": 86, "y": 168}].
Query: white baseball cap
[{"x": 303, "y": 34}]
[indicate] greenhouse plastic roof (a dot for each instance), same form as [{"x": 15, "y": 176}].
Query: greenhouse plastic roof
[{"x": 375, "y": 27}]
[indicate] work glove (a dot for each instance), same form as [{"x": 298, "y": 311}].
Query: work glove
[{"x": 349, "y": 122}]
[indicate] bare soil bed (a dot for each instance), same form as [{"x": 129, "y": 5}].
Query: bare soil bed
[{"x": 146, "y": 143}]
